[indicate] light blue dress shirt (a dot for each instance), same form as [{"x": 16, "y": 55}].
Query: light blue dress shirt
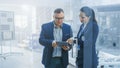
[{"x": 57, "y": 52}]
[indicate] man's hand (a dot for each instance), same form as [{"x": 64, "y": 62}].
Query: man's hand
[
  {"x": 54, "y": 44},
  {"x": 65, "y": 47}
]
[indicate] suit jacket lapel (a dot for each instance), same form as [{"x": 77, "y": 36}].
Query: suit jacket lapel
[
  {"x": 87, "y": 27},
  {"x": 79, "y": 33},
  {"x": 52, "y": 30},
  {"x": 63, "y": 31}
]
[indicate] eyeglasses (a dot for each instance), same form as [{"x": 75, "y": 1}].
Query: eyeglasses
[{"x": 59, "y": 18}]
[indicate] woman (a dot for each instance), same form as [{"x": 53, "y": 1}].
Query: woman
[{"x": 87, "y": 35}]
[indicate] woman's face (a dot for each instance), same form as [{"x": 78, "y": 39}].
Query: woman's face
[{"x": 83, "y": 17}]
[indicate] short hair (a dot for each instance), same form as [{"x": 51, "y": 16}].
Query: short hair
[{"x": 58, "y": 10}]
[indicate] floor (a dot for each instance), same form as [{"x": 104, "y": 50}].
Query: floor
[
  {"x": 21, "y": 57},
  {"x": 26, "y": 56}
]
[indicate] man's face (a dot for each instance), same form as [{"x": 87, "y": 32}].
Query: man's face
[
  {"x": 83, "y": 17},
  {"x": 58, "y": 17}
]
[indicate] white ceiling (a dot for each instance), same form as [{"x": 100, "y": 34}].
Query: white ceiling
[{"x": 36, "y": 2}]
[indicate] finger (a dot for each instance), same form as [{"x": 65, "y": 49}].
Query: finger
[
  {"x": 70, "y": 41},
  {"x": 65, "y": 48},
  {"x": 54, "y": 45}
]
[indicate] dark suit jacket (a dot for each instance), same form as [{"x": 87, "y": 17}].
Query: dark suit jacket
[
  {"x": 46, "y": 39},
  {"x": 90, "y": 33}
]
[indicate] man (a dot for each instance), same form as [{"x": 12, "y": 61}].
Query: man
[{"x": 54, "y": 55}]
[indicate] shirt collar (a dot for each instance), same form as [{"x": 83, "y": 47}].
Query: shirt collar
[
  {"x": 84, "y": 25},
  {"x": 56, "y": 26}
]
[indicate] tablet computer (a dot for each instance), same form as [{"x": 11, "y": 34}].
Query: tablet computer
[{"x": 62, "y": 43}]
